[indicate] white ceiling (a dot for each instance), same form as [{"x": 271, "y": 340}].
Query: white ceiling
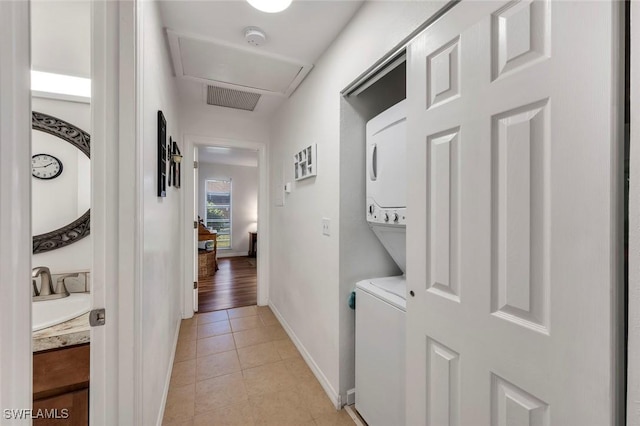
[
  {"x": 230, "y": 156},
  {"x": 301, "y": 33}
]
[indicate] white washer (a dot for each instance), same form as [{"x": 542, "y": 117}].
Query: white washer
[{"x": 380, "y": 350}]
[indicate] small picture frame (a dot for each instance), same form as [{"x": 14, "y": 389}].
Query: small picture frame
[
  {"x": 176, "y": 167},
  {"x": 305, "y": 163}
]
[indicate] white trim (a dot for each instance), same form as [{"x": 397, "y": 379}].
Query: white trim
[
  {"x": 324, "y": 382},
  {"x": 192, "y": 141},
  {"x": 60, "y": 97},
  {"x": 633, "y": 356},
  {"x": 227, "y": 253},
  {"x": 167, "y": 379},
  {"x": 15, "y": 204},
  {"x": 116, "y": 385}
]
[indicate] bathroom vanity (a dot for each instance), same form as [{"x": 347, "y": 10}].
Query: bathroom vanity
[{"x": 61, "y": 372}]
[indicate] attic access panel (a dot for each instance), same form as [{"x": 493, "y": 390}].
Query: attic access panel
[{"x": 220, "y": 64}]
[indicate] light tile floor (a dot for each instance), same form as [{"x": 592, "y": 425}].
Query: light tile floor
[{"x": 239, "y": 367}]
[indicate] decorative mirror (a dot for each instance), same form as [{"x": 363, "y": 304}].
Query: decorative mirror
[{"x": 52, "y": 200}]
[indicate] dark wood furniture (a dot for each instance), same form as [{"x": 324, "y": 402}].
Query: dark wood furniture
[
  {"x": 61, "y": 381},
  {"x": 253, "y": 244}
]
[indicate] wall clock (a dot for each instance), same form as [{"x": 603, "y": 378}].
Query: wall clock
[{"x": 45, "y": 166}]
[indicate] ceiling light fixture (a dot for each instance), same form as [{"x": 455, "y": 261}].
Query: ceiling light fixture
[{"x": 270, "y": 6}]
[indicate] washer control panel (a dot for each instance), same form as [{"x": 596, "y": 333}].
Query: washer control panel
[{"x": 390, "y": 216}]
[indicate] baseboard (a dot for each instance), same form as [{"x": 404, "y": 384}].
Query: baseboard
[
  {"x": 167, "y": 380},
  {"x": 223, "y": 253},
  {"x": 324, "y": 382}
]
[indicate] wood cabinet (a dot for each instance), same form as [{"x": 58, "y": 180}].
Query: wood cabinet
[
  {"x": 61, "y": 384},
  {"x": 207, "y": 260}
]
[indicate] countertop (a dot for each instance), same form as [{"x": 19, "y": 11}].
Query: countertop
[{"x": 69, "y": 333}]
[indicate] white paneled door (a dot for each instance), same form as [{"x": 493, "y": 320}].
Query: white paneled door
[{"x": 514, "y": 238}]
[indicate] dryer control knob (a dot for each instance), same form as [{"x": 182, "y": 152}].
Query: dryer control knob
[
  {"x": 386, "y": 217},
  {"x": 396, "y": 218},
  {"x": 371, "y": 209}
]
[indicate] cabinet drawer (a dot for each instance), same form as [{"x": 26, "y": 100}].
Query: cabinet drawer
[
  {"x": 72, "y": 409},
  {"x": 60, "y": 370}
]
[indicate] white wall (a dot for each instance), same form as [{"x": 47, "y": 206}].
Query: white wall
[
  {"x": 61, "y": 37},
  {"x": 244, "y": 201},
  {"x": 200, "y": 119},
  {"x": 161, "y": 281},
  {"x": 307, "y": 268},
  {"x": 56, "y": 202}
]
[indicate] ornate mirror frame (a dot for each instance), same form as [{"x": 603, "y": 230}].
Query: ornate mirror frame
[{"x": 79, "y": 228}]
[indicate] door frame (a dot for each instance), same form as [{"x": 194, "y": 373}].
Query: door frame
[
  {"x": 15, "y": 191},
  {"x": 633, "y": 324},
  {"x": 191, "y": 142},
  {"x": 116, "y": 212}
]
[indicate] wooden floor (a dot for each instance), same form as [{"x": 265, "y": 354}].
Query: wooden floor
[{"x": 233, "y": 285}]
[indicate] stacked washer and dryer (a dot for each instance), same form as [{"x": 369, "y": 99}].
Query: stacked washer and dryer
[{"x": 381, "y": 302}]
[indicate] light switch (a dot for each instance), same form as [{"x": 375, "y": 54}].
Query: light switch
[{"x": 325, "y": 226}]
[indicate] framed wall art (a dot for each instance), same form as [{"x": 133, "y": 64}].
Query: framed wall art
[
  {"x": 162, "y": 155},
  {"x": 305, "y": 163}
]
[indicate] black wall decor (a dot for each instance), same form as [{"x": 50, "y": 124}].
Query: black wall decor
[
  {"x": 162, "y": 155},
  {"x": 170, "y": 174}
]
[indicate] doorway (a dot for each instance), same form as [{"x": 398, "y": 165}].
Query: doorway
[
  {"x": 227, "y": 207},
  {"x": 228, "y": 196}
]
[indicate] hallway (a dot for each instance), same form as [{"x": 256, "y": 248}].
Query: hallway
[
  {"x": 238, "y": 367},
  {"x": 232, "y": 286}
]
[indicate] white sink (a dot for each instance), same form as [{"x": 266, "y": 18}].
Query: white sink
[{"x": 48, "y": 313}]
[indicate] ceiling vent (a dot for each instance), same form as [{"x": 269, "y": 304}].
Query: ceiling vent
[
  {"x": 231, "y": 98},
  {"x": 231, "y": 66}
]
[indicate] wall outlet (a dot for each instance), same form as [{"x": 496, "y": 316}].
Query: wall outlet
[{"x": 325, "y": 226}]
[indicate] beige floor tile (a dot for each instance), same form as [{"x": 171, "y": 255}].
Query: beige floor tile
[
  {"x": 279, "y": 408},
  {"x": 208, "y": 317},
  {"x": 246, "y": 311},
  {"x": 254, "y": 356},
  {"x": 263, "y": 309},
  {"x": 213, "y": 329},
  {"x": 339, "y": 418},
  {"x": 180, "y": 404},
  {"x": 268, "y": 378},
  {"x": 183, "y": 373},
  {"x": 299, "y": 369},
  {"x": 315, "y": 398},
  {"x": 286, "y": 348},
  {"x": 251, "y": 337},
  {"x": 219, "y": 392},
  {"x": 217, "y": 365},
  {"x": 231, "y": 415},
  {"x": 185, "y": 350},
  {"x": 187, "y": 324},
  {"x": 267, "y": 317},
  {"x": 276, "y": 332},
  {"x": 188, "y": 333},
  {"x": 215, "y": 344},
  {"x": 245, "y": 323}
]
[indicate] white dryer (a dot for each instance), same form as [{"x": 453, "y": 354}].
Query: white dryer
[{"x": 381, "y": 302}]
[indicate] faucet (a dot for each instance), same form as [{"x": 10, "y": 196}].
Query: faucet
[{"x": 46, "y": 291}]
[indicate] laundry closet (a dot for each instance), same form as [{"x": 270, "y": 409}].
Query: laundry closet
[{"x": 380, "y": 300}]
